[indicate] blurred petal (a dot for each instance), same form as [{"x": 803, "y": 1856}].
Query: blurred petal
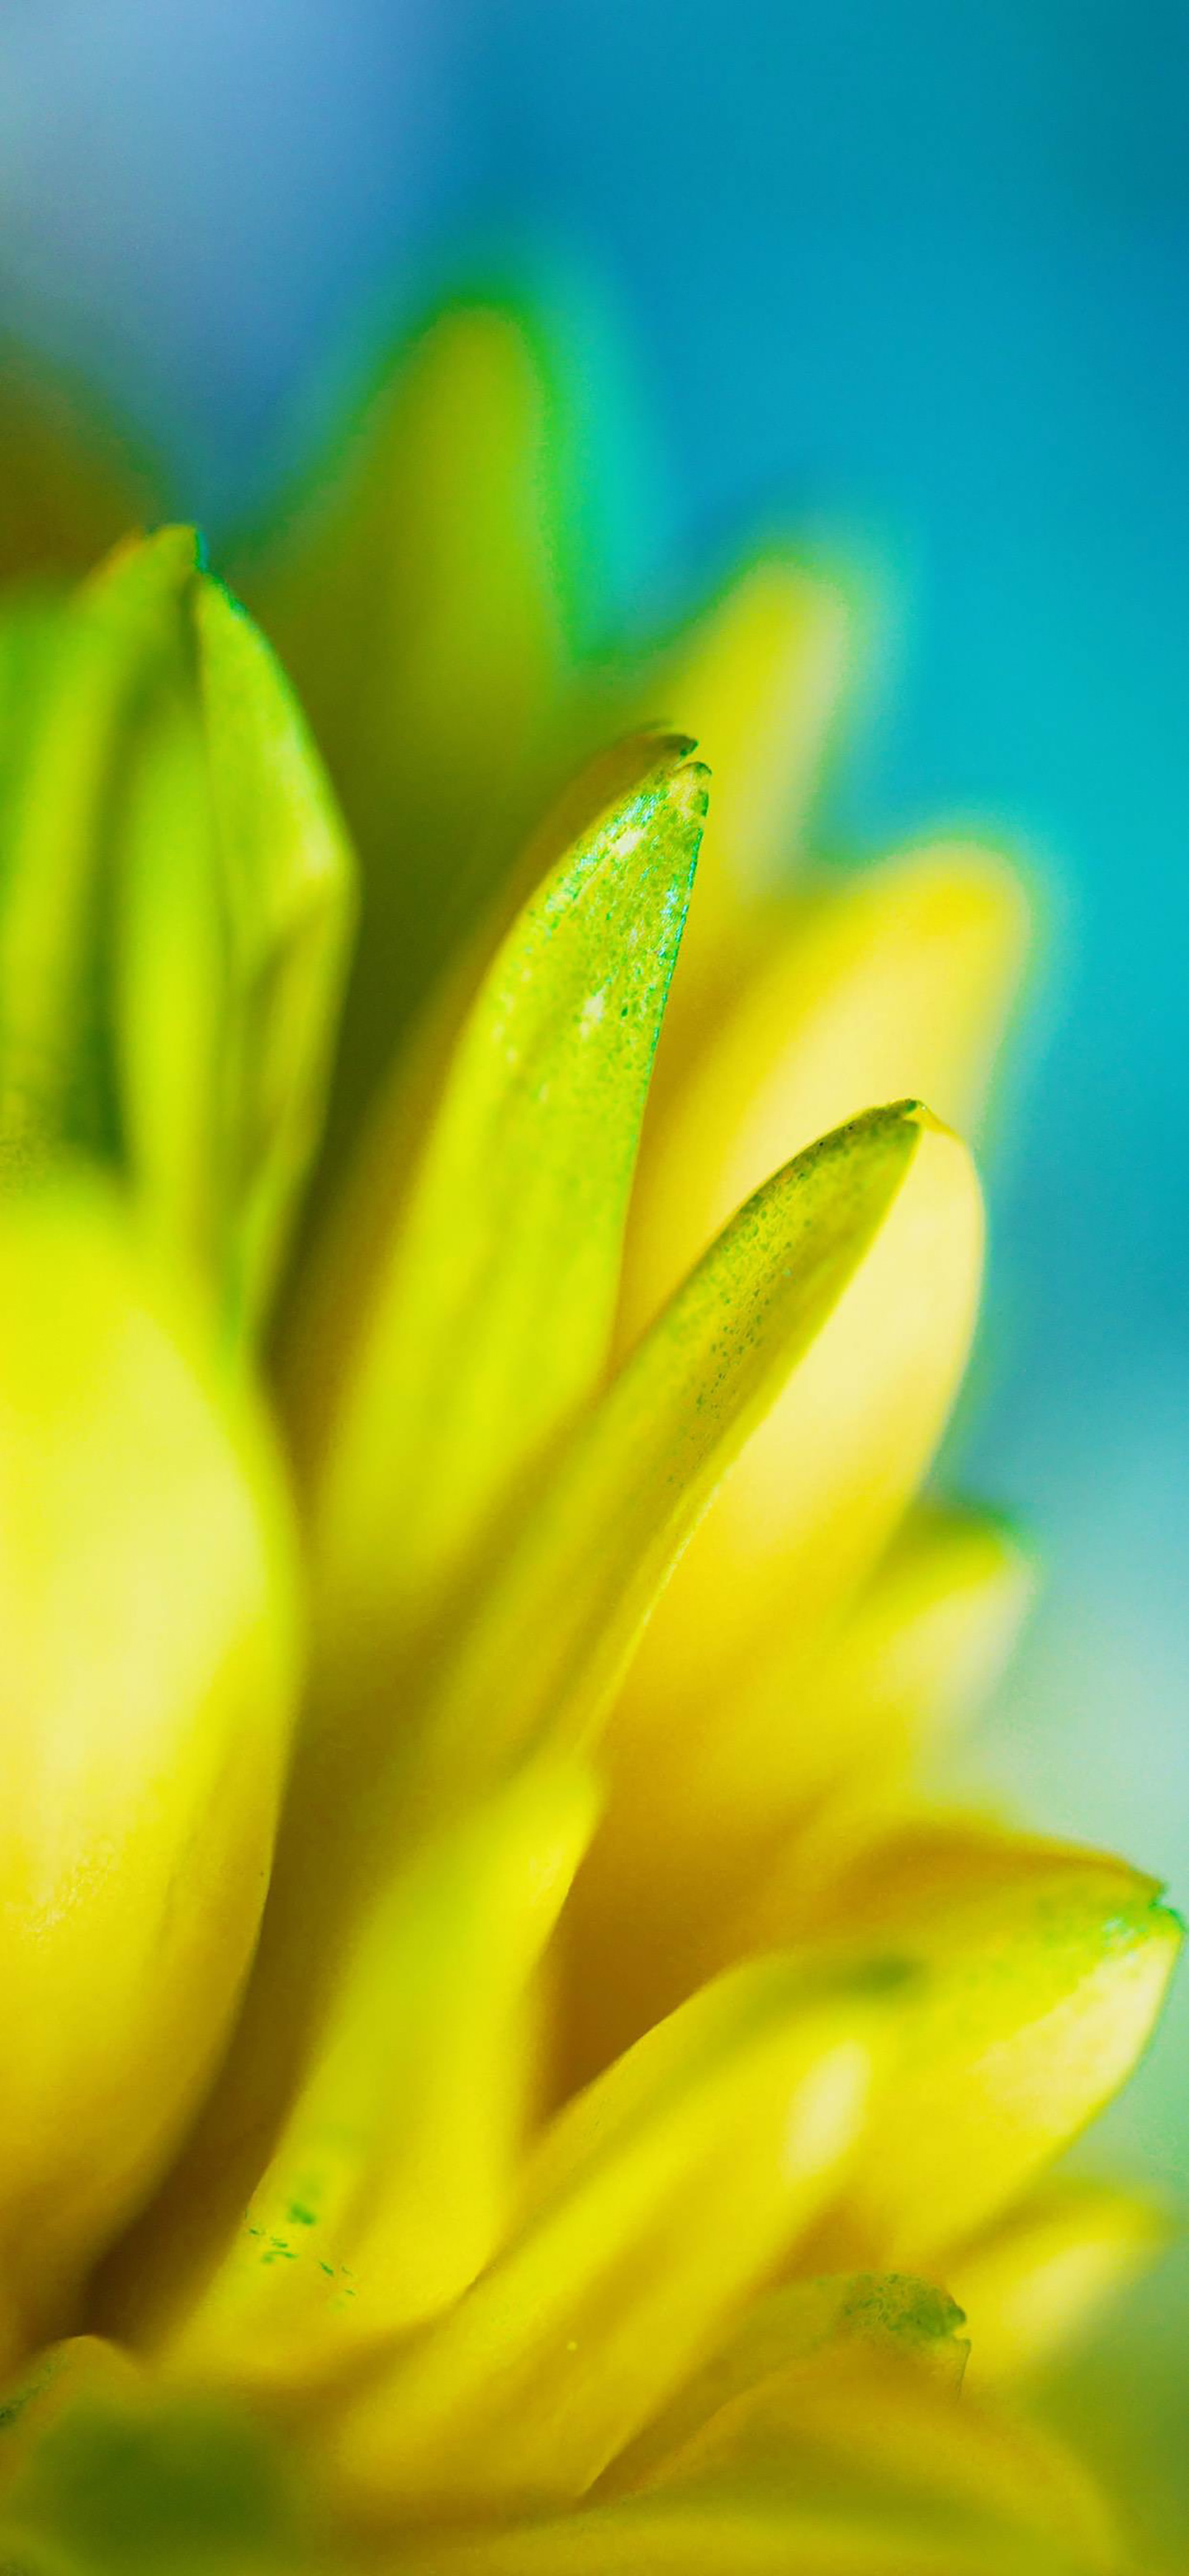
[
  {"x": 1046, "y": 1968},
  {"x": 122, "y": 624},
  {"x": 820, "y": 1488},
  {"x": 392, "y": 2184},
  {"x": 169, "y": 972},
  {"x": 82, "y": 2367},
  {"x": 149, "y": 1674},
  {"x": 286, "y": 878},
  {"x": 909, "y": 971},
  {"x": 30, "y": 633},
  {"x": 757, "y": 681},
  {"x": 656, "y": 2202},
  {"x": 126, "y": 2482},
  {"x": 923, "y": 1644},
  {"x": 825, "y": 1761},
  {"x": 877, "y": 2472},
  {"x": 488, "y": 1319},
  {"x": 419, "y": 596},
  {"x": 1032, "y": 2282},
  {"x": 894, "y": 984},
  {"x": 760, "y": 2372}
]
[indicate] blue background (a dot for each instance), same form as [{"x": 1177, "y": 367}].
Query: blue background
[{"x": 912, "y": 275}]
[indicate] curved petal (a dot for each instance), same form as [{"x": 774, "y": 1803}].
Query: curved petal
[
  {"x": 149, "y": 1659},
  {"x": 762, "y": 2368},
  {"x": 797, "y": 1770},
  {"x": 488, "y": 1316},
  {"x": 1034, "y": 2280},
  {"x": 529, "y": 1655},
  {"x": 1046, "y": 1969},
  {"x": 757, "y": 680},
  {"x": 819, "y": 1489},
  {"x": 656, "y": 2203},
  {"x": 879, "y": 2472},
  {"x": 562, "y": 1612},
  {"x": 420, "y": 594},
  {"x": 393, "y": 2180},
  {"x": 894, "y": 983},
  {"x": 122, "y": 624}
]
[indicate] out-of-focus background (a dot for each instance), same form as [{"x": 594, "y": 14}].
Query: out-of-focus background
[{"x": 910, "y": 278}]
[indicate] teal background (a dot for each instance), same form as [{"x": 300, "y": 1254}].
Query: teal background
[{"x": 909, "y": 275}]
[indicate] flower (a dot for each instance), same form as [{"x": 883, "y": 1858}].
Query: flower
[{"x": 506, "y": 2069}]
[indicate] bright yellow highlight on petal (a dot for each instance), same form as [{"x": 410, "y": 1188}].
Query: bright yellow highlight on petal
[
  {"x": 507, "y": 2067},
  {"x": 149, "y": 1673},
  {"x": 1029, "y": 2282}
]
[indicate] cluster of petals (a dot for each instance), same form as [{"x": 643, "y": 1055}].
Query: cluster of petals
[{"x": 509, "y": 2070}]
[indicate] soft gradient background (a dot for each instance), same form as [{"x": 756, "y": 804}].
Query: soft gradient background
[{"x": 912, "y": 275}]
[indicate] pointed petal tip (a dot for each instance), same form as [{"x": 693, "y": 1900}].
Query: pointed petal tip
[
  {"x": 691, "y": 785},
  {"x": 1167, "y": 1920},
  {"x": 177, "y": 547},
  {"x": 180, "y": 536},
  {"x": 917, "y": 1113},
  {"x": 683, "y": 779},
  {"x": 673, "y": 744}
]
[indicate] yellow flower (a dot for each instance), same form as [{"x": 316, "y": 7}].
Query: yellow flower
[{"x": 490, "y": 2089}]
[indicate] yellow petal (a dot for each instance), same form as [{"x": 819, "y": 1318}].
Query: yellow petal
[
  {"x": 759, "y": 2374},
  {"x": 1046, "y": 1968},
  {"x": 879, "y": 2472},
  {"x": 758, "y": 681},
  {"x": 392, "y": 2183},
  {"x": 896, "y": 983},
  {"x": 655, "y": 2204},
  {"x": 530, "y": 1654},
  {"x": 559, "y": 1616},
  {"x": 911, "y": 966},
  {"x": 347, "y": 1265},
  {"x": 780, "y": 1777},
  {"x": 144, "y": 1567},
  {"x": 818, "y": 1491},
  {"x": 924, "y": 1643},
  {"x": 489, "y": 1317},
  {"x": 1032, "y": 2282},
  {"x": 907, "y": 971},
  {"x": 791, "y": 1538}
]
